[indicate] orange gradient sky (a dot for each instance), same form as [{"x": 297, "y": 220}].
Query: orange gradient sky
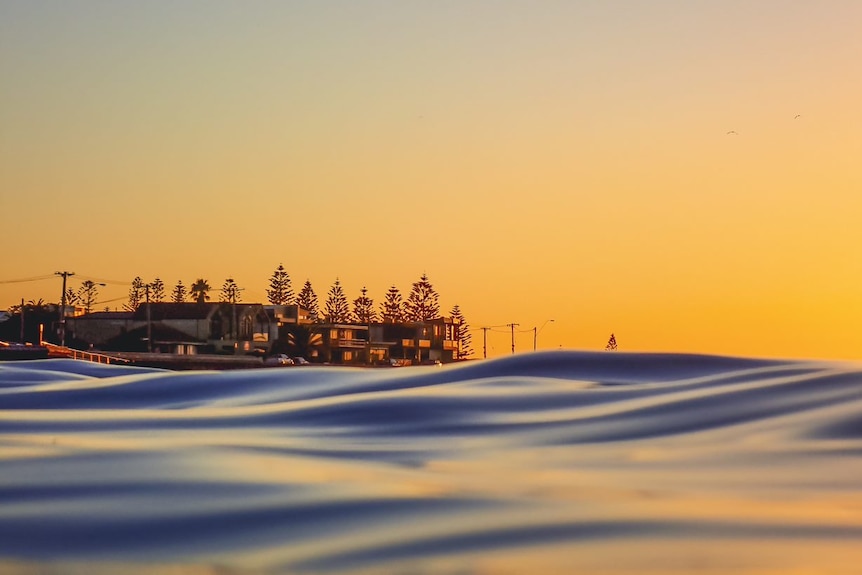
[{"x": 537, "y": 159}]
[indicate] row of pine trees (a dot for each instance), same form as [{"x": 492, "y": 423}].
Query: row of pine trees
[{"x": 422, "y": 303}]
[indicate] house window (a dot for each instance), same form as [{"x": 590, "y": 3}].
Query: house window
[
  {"x": 347, "y": 356},
  {"x": 333, "y": 334},
  {"x": 246, "y": 327}
]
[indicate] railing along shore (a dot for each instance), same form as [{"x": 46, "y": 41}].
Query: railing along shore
[{"x": 60, "y": 351}]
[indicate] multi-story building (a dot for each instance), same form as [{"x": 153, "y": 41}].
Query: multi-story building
[{"x": 195, "y": 328}]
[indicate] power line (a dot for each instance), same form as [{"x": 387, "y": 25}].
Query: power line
[
  {"x": 33, "y": 279},
  {"x": 104, "y": 281},
  {"x": 109, "y": 300}
]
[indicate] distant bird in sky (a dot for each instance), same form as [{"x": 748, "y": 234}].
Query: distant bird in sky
[
  {"x": 732, "y": 133},
  {"x": 797, "y": 116}
]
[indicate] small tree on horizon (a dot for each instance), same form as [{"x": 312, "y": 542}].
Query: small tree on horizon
[
  {"x": 612, "y": 344},
  {"x": 230, "y": 292},
  {"x": 337, "y": 308},
  {"x": 280, "y": 291},
  {"x": 200, "y": 290},
  {"x": 465, "y": 338},
  {"x": 392, "y": 308},
  {"x": 423, "y": 302},
  {"x": 157, "y": 291},
  {"x": 178, "y": 295},
  {"x": 136, "y": 294},
  {"x": 363, "y": 308},
  {"x": 308, "y": 300},
  {"x": 72, "y": 297},
  {"x": 88, "y": 294}
]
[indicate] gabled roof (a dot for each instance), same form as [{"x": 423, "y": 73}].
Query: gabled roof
[
  {"x": 169, "y": 310},
  {"x": 104, "y": 315}
]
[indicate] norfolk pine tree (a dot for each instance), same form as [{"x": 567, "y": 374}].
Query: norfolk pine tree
[
  {"x": 337, "y": 308},
  {"x": 179, "y": 293},
  {"x": 229, "y": 292},
  {"x": 157, "y": 291},
  {"x": 136, "y": 294},
  {"x": 392, "y": 308},
  {"x": 465, "y": 348},
  {"x": 308, "y": 300},
  {"x": 88, "y": 295},
  {"x": 280, "y": 291},
  {"x": 363, "y": 308},
  {"x": 423, "y": 302},
  {"x": 72, "y": 297}
]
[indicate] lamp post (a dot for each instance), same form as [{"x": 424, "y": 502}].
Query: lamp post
[{"x": 536, "y": 332}]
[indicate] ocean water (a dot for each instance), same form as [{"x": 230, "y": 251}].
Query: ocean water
[{"x": 557, "y": 462}]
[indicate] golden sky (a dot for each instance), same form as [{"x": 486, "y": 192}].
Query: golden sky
[{"x": 537, "y": 159}]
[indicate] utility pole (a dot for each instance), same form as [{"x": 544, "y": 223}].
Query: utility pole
[
  {"x": 485, "y": 342},
  {"x": 537, "y": 330},
  {"x": 233, "y": 323},
  {"x": 513, "y": 326},
  {"x": 63, "y": 306},
  {"x": 149, "y": 321},
  {"x": 22, "y": 321}
]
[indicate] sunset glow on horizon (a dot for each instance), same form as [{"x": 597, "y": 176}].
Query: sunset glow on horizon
[{"x": 683, "y": 175}]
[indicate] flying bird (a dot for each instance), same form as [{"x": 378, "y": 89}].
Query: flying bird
[
  {"x": 797, "y": 116},
  {"x": 732, "y": 133}
]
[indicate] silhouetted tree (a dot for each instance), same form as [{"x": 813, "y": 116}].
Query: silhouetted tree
[
  {"x": 337, "y": 308},
  {"x": 612, "y": 344},
  {"x": 72, "y": 297},
  {"x": 280, "y": 291},
  {"x": 465, "y": 348},
  {"x": 422, "y": 303},
  {"x": 157, "y": 291},
  {"x": 308, "y": 299},
  {"x": 392, "y": 308},
  {"x": 299, "y": 341},
  {"x": 230, "y": 291},
  {"x": 136, "y": 294},
  {"x": 36, "y": 313},
  {"x": 87, "y": 294},
  {"x": 363, "y": 308},
  {"x": 200, "y": 290},
  {"x": 179, "y": 293}
]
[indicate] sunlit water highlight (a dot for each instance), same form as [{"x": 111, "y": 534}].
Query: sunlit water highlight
[{"x": 538, "y": 463}]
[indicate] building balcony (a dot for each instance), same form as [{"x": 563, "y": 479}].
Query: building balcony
[
  {"x": 351, "y": 343},
  {"x": 449, "y": 344},
  {"x": 423, "y": 343}
]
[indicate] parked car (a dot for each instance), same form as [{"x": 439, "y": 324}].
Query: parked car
[
  {"x": 301, "y": 361},
  {"x": 279, "y": 359}
]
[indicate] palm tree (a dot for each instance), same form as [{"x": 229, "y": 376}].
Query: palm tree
[
  {"x": 301, "y": 340},
  {"x": 37, "y": 305},
  {"x": 199, "y": 290}
]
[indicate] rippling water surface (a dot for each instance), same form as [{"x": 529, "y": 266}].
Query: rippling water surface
[{"x": 538, "y": 463}]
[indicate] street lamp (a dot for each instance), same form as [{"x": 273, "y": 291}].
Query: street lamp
[{"x": 537, "y": 330}]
